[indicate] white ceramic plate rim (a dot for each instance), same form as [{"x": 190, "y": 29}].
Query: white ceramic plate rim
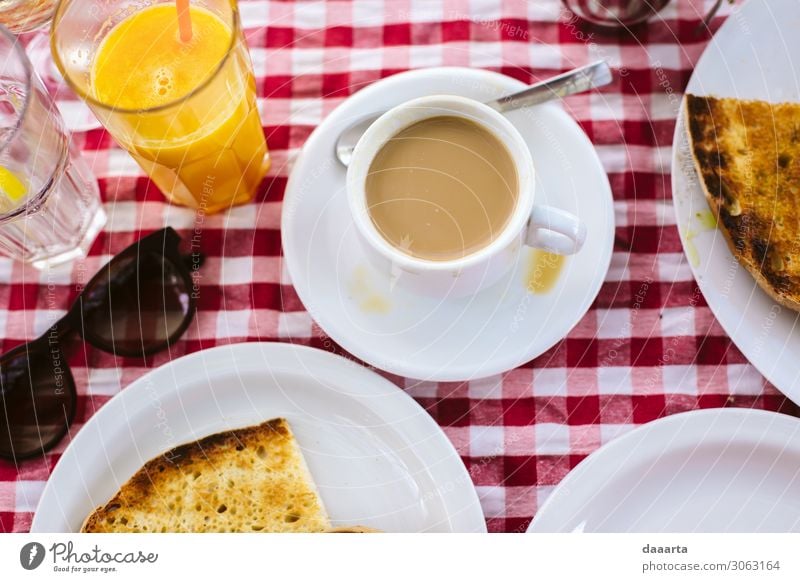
[
  {"x": 742, "y": 334},
  {"x": 501, "y": 362},
  {"x": 680, "y": 430},
  {"x": 439, "y": 454}
]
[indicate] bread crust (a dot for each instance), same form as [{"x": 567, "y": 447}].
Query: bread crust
[
  {"x": 757, "y": 210},
  {"x": 247, "y": 479}
]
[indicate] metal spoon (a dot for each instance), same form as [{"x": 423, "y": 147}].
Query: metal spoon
[{"x": 578, "y": 80}]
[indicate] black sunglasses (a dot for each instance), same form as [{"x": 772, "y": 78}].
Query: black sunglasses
[{"x": 140, "y": 302}]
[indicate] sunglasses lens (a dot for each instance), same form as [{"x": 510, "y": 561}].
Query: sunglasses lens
[
  {"x": 136, "y": 305},
  {"x": 37, "y": 401}
]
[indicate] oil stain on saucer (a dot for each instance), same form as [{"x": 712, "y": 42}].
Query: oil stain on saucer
[
  {"x": 543, "y": 271},
  {"x": 706, "y": 219},
  {"x": 707, "y": 222},
  {"x": 363, "y": 291}
]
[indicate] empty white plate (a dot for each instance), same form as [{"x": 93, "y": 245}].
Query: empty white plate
[
  {"x": 717, "y": 470},
  {"x": 377, "y": 458}
]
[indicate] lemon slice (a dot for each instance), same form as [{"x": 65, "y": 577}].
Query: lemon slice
[{"x": 11, "y": 186}]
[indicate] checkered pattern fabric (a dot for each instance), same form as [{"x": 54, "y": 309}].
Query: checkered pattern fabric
[{"x": 649, "y": 346}]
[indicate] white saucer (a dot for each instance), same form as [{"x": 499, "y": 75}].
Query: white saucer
[
  {"x": 717, "y": 470},
  {"x": 377, "y": 458},
  {"x": 448, "y": 339}
]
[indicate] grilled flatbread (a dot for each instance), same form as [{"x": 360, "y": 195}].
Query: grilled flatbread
[
  {"x": 748, "y": 156},
  {"x": 246, "y": 480}
]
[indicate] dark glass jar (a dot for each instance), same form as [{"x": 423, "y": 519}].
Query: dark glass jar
[{"x": 615, "y": 13}]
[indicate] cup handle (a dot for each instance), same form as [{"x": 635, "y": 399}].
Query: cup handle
[{"x": 555, "y": 230}]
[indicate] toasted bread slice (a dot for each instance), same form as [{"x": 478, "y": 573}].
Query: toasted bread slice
[
  {"x": 747, "y": 154},
  {"x": 246, "y": 480}
]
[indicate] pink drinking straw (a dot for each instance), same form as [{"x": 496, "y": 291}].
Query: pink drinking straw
[{"x": 184, "y": 20}]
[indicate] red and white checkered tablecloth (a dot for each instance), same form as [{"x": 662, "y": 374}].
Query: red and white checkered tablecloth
[{"x": 649, "y": 346}]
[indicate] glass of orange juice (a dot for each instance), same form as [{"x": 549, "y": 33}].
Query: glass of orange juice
[{"x": 184, "y": 109}]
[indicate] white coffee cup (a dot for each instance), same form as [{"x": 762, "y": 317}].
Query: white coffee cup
[{"x": 533, "y": 225}]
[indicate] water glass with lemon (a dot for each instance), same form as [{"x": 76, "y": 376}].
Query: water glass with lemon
[{"x": 50, "y": 208}]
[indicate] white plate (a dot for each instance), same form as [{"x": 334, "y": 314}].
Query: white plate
[
  {"x": 450, "y": 339},
  {"x": 376, "y": 456},
  {"x": 718, "y": 470},
  {"x": 755, "y": 55}
]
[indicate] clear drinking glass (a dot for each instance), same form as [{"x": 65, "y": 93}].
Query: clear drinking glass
[
  {"x": 50, "y": 208},
  {"x": 20, "y": 16},
  {"x": 29, "y": 19},
  {"x": 200, "y": 141},
  {"x": 76, "y": 114}
]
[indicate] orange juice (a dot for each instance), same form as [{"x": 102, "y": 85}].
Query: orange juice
[{"x": 186, "y": 111}]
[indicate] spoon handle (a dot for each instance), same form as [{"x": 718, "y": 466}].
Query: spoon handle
[{"x": 582, "y": 79}]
